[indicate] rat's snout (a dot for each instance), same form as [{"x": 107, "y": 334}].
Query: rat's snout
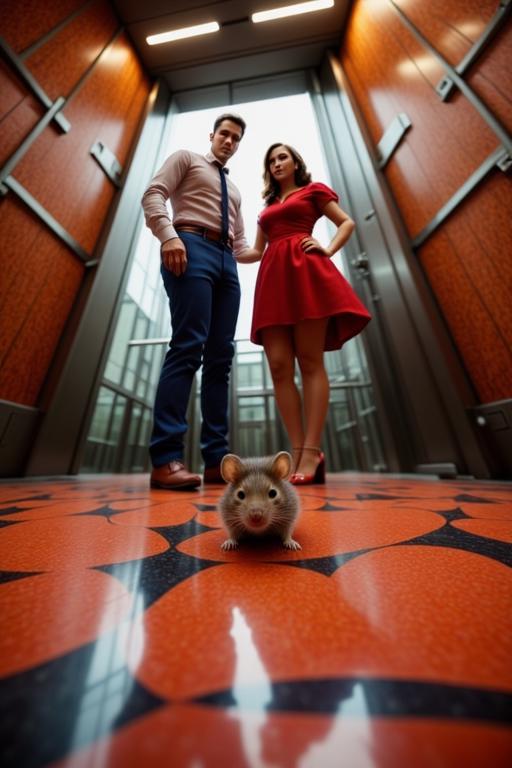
[{"x": 256, "y": 517}]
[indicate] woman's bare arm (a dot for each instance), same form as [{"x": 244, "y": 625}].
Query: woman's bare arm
[
  {"x": 345, "y": 227},
  {"x": 256, "y": 252}
]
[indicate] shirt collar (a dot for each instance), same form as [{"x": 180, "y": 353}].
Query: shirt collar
[{"x": 210, "y": 157}]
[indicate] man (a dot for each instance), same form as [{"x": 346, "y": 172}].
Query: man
[{"x": 200, "y": 277}]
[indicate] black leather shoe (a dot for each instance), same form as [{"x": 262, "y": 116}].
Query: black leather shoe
[
  {"x": 174, "y": 477},
  {"x": 212, "y": 475}
]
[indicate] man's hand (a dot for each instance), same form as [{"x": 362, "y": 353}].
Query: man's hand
[{"x": 174, "y": 256}]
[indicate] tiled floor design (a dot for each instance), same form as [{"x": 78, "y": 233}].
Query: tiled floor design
[{"x": 129, "y": 638}]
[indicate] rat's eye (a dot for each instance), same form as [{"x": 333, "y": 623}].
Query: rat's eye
[
  {"x": 272, "y": 493},
  {"x": 240, "y": 495}
]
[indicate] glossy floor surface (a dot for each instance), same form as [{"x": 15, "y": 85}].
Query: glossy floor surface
[{"x": 129, "y": 638}]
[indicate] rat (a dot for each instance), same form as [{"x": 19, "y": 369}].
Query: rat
[{"x": 259, "y": 499}]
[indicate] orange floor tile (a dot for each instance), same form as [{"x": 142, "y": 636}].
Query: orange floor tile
[{"x": 129, "y": 638}]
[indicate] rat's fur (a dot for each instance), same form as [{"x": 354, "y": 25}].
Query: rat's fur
[{"x": 258, "y": 500}]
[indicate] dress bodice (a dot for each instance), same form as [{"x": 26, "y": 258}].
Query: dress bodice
[{"x": 297, "y": 214}]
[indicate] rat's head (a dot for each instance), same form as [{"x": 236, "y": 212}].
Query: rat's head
[{"x": 257, "y": 496}]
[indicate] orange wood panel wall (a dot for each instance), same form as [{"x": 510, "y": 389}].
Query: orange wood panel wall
[
  {"x": 24, "y": 22},
  {"x": 453, "y": 27},
  {"x": 19, "y": 112},
  {"x": 89, "y": 60},
  {"x": 468, "y": 259}
]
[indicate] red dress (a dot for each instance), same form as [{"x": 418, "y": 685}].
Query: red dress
[{"x": 293, "y": 285}]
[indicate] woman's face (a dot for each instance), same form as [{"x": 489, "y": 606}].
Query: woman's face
[{"x": 281, "y": 164}]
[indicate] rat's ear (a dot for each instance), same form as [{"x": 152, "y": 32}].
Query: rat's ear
[
  {"x": 282, "y": 465},
  {"x": 231, "y": 468}
]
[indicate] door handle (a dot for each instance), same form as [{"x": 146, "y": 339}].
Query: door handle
[{"x": 361, "y": 261}]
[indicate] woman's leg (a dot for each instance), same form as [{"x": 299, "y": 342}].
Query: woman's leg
[
  {"x": 309, "y": 338},
  {"x": 280, "y": 353}
]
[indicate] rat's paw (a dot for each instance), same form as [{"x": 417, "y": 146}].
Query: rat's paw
[
  {"x": 229, "y": 544},
  {"x": 291, "y": 544}
]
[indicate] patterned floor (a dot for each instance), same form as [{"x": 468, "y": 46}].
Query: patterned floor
[{"x": 130, "y": 639}]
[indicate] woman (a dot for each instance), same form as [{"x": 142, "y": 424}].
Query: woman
[{"x": 302, "y": 304}]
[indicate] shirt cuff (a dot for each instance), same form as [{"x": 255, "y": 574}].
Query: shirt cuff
[{"x": 166, "y": 233}]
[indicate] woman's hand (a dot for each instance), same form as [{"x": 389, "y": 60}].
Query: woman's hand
[
  {"x": 309, "y": 244},
  {"x": 248, "y": 256}
]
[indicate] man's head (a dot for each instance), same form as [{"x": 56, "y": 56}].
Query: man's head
[{"x": 228, "y": 130}]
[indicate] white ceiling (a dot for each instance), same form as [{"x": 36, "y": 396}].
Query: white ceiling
[{"x": 241, "y": 50}]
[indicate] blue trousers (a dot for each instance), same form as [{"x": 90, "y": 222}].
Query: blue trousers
[{"x": 204, "y": 304}]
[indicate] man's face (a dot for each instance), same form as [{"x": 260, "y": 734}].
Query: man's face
[{"x": 225, "y": 140}]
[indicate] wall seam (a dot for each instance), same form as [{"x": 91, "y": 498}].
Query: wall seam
[{"x": 47, "y": 36}]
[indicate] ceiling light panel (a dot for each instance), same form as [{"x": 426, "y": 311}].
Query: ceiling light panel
[
  {"x": 291, "y": 10},
  {"x": 181, "y": 34}
]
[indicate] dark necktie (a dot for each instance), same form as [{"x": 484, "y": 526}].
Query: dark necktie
[{"x": 224, "y": 205}]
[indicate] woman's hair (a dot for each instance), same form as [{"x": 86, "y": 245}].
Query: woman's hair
[{"x": 272, "y": 189}]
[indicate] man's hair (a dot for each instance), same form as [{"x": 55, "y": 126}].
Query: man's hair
[{"x": 229, "y": 116}]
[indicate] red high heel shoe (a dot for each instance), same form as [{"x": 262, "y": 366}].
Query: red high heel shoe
[{"x": 315, "y": 478}]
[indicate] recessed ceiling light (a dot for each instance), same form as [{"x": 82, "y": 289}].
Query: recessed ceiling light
[
  {"x": 180, "y": 34},
  {"x": 291, "y": 10}
]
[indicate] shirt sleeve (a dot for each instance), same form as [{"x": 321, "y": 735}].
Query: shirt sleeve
[
  {"x": 322, "y": 194},
  {"x": 154, "y": 199},
  {"x": 240, "y": 244}
]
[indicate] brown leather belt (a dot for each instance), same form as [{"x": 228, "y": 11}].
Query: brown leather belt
[{"x": 208, "y": 234}]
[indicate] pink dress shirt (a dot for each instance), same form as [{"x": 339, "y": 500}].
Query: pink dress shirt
[{"x": 192, "y": 183}]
